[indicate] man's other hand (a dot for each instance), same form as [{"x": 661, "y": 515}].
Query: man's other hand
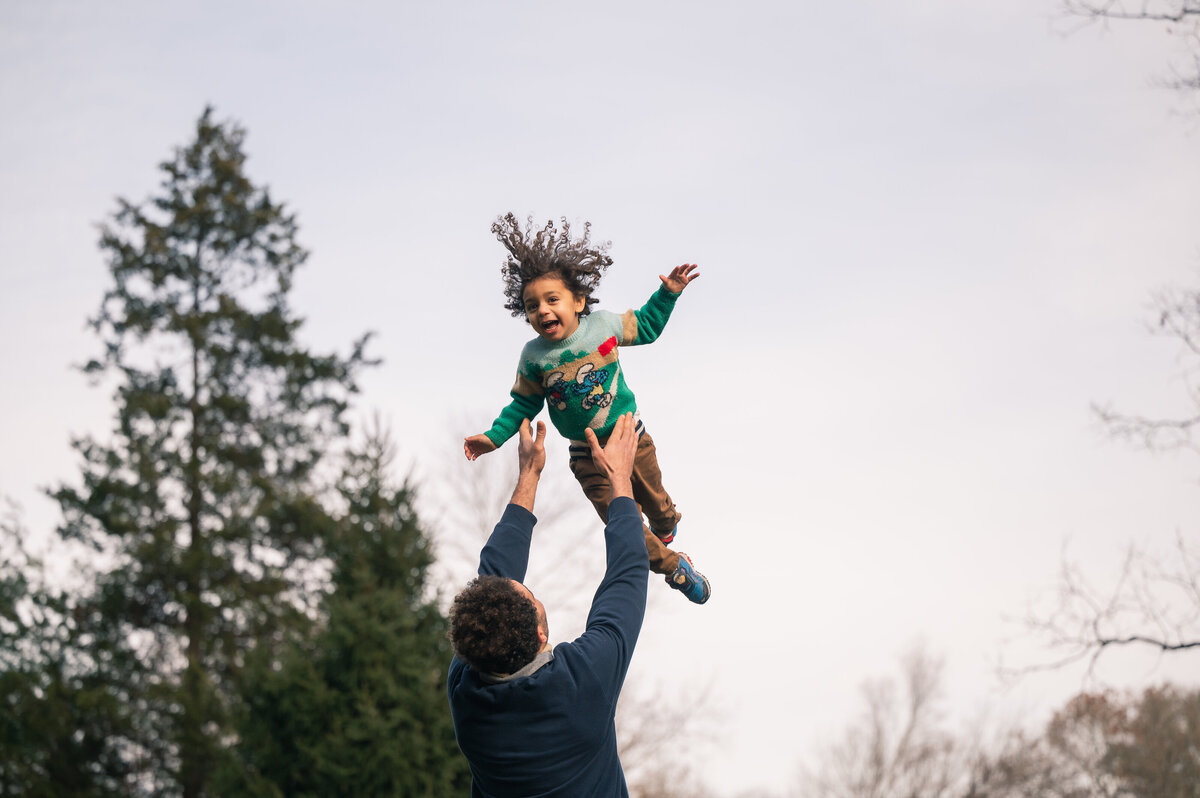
[{"x": 616, "y": 458}]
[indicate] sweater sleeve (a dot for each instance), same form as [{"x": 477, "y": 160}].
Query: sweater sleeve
[
  {"x": 619, "y": 605},
  {"x": 643, "y": 326},
  {"x": 526, "y": 400},
  {"x": 506, "y": 552},
  {"x": 522, "y": 406}
]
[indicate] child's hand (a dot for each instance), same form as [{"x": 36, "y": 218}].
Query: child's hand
[
  {"x": 679, "y": 278},
  {"x": 477, "y": 445}
]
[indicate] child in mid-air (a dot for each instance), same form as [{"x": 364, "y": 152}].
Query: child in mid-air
[{"x": 572, "y": 366}]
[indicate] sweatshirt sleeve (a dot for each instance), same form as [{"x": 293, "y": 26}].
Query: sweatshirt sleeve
[
  {"x": 643, "y": 326},
  {"x": 619, "y": 605},
  {"x": 506, "y": 552},
  {"x": 509, "y": 421},
  {"x": 526, "y": 402}
]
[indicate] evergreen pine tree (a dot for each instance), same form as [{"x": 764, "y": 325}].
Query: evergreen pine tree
[
  {"x": 360, "y": 708},
  {"x": 52, "y": 741},
  {"x": 201, "y": 508}
]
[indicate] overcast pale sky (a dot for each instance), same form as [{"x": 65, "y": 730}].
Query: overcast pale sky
[{"x": 928, "y": 232}]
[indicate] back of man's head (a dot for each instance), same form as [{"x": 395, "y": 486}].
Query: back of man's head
[{"x": 493, "y": 626}]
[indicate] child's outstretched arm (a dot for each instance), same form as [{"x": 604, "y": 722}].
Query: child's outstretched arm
[
  {"x": 526, "y": 403},
  {"x": 643, "y": 326},
  {"x": 679, "y": 278}
]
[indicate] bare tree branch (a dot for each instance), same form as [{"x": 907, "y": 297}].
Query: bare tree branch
[
  {"x": 1152, "y": 10},
  {"x": 1177, "y": 314},
  {"x": 1154, "y": 602},
  {"x": 1180, "y": 17}
]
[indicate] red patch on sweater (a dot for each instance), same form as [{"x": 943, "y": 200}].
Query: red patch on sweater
[{"x": 607, "y": 346}]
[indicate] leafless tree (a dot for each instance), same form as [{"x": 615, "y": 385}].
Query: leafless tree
[
  {"x": 1176, "y": 315},
  {"x": 1154, "y": 602},
  {"x": 653, "y": 727},
  {"x": 1180, "y": 18},
  {"x": 1102, "y": 745},
  {"x": 1017, "y": 767},
  {"x": 899, "y": 748}
]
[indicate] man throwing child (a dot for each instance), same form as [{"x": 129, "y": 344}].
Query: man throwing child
[{"x": 531, "y": 719}]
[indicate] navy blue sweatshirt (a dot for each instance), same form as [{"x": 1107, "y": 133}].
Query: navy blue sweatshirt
[{"x": 551, "y": 733}]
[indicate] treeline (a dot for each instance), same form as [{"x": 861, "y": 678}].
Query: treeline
[
  {"x": 249, "y": 612},
  {"x": 1100, "y": 744}
]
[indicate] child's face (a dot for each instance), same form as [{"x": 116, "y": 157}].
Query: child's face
[{"x": 551, "y": 308}]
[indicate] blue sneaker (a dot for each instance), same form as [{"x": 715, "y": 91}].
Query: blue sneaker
[{"x": 689, "y": 581}]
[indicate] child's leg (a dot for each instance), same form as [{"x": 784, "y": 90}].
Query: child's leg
[
  {"x": 650, "y": 495},
  {"x": 596, "y": 487},
  {"x": 648, "y": 490}
]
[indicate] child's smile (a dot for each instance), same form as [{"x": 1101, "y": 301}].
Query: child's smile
[{"x": 551, "y": 308}]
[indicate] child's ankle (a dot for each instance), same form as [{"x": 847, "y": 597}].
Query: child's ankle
[{"x": 666, "y": 537}]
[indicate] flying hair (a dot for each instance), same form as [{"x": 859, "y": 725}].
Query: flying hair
[{"x": 534, "y": 253}]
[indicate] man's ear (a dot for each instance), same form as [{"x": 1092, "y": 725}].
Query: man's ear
[{"x": 542, "y": 637}]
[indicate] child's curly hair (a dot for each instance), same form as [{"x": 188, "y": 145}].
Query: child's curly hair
[
  {"x": 493, "y": 627},
  {"x": 533, "y": 254}
]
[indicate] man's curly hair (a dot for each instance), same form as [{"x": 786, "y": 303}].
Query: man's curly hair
[
  {"x": 493, "y": 626},
  {"x": 535, "y": 253}
]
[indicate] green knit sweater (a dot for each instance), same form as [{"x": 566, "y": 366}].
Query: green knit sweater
[{"x": 580, "y": 377}]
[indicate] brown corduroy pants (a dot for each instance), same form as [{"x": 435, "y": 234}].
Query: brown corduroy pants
[{"x": 648, "y": 492}]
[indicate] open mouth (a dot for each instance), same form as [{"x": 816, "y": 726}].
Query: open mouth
[{"x": 551, "y": 325}]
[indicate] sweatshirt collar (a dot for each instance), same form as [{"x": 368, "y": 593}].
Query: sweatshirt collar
[{"x": 542, "y": 659}]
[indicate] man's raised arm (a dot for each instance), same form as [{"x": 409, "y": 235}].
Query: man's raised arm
[
  {"x": 615, "y": 620},
  {"x": 507, "y": 551}
]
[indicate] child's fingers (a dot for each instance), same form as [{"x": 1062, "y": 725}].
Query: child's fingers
[{"x": 680, "y": 275}]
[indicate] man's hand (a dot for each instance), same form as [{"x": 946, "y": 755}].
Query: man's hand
[
  {"x": 679, "y": 278},
  {"x": 615, "y": 460},
  {"x": 531, "y": 452},
  {"x": 531, "y": 459},
  {"x": 477, "y": 445}
]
